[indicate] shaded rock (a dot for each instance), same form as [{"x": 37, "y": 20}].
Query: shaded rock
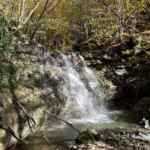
[{"x": 142, "y": 109}]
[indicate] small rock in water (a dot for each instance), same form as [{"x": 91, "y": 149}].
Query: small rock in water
[{"x": 145, "y": 123}]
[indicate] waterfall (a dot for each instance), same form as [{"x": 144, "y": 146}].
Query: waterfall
[{"x": 77, "y": 84}]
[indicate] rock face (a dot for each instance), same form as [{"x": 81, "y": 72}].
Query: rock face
[
  {"x": 142, "y": 109},
  {"x": 34, "y": 93},
  {"x": 125, "y": 68}
]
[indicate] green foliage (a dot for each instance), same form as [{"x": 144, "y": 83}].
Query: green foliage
[
  {"x": 53, "y": 22},
  {"x": 6, "y": 53},
  {"x": 5, "y": 37}
]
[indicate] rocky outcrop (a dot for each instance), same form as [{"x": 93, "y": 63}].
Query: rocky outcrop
[
  {"x": 30, "y": 95},
  {"x": 126, "y": 65}
]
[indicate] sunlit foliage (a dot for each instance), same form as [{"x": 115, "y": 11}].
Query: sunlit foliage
[{"x": 52, "y": 22}]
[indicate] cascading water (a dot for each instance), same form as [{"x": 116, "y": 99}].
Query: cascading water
[
  {"x": 77, "y": 84},
  {"x": 84, "y": 92}
]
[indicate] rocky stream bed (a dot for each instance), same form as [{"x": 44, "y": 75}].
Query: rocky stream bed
[{"x": 104, "y": 139}]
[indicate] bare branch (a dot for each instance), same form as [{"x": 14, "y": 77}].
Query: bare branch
[
  {"x": 41, "y": 15},
  {"x": 68, "y": 123},
  {"x": 22, "y": 10},
  {"x": 29, "y": 16},
  {"x": 54, "y": 5}
]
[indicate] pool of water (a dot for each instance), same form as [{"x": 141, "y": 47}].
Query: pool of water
[{"x": 67, "y": 133}]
